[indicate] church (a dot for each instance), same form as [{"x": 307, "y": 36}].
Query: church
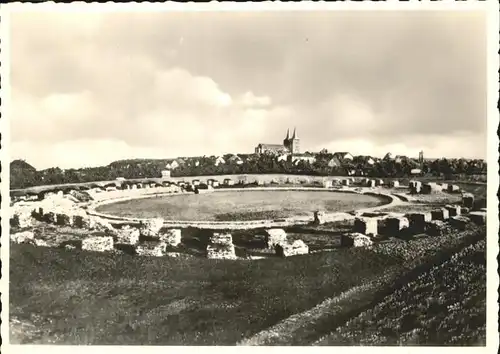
[{"x": 290, "y": 145}]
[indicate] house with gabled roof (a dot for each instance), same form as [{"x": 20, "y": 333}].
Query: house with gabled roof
[
  {"x": 219, "y": 160},
  {"x": 364, "y": 160},
  {"x": 343, "y": 156},
  {"x": 388, "y": 156},
  {"x": 306, "y": 157},
  {"x": 235, "y": 159},
  {"x": 400, "y": 158},
  {"x": 174, "y": 163},
  {"x": 282, "y": 157},
  {"x": 334, "y": 162}
]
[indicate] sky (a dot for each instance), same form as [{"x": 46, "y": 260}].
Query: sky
[{"x": 88, "y": 89}]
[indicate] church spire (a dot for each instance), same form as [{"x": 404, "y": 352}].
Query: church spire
[
  {"x": 294, "y": 136},
  {"x": 287, "y": 134}
]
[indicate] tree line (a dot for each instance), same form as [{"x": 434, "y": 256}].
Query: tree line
[{"x": 23, "y": 175}]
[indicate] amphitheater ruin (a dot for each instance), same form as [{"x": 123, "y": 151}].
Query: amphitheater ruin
[{"x": 157, "y": 237}]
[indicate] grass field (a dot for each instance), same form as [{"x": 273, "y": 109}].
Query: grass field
[
  {"x": 240, "y": 205},
  {"x": 73, "y": 297},
  {"x": 86, "y": 298}
]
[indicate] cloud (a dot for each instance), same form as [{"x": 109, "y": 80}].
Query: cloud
[
  {"x": 193, "y": 83},
  {"x": 250, "y": 100}
]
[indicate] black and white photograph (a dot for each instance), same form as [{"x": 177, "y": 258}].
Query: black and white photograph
[{"x": 250, "y": 175}]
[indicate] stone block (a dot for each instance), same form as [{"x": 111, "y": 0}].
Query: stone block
[
  {"x": 291, "y": 249},
  {"x": 40, "y": 243},
  {"x": 23, "y": 237},
  {"x": 151, "y": 249},
  {"x": 366, "y": 226},
  {"x": 63, "y": 219},
  {"x": 394, "y": 184},
  {"x": 468, "y": 200},
  {"x": 172, "y": 237},
  {"x": 418, "y": 221},
  {"x": 478, "y": 217},
  {"x": 459, "y": 222},
  {"x": 327, "y": 184},
  {"x": 396, "y": 224},
  {"x": 127, "y": 235},
  {"x": 151, "y": 227},
  {"x": 453, "y": 188},
  {"x": 319, "y": 217},
  {"x": 415, "y": 184},
  {"x": 426, "y": 188},
  {"x": 221, "y": 238},
  {"x": 78, "y": 221},
  {"x": 440, "y": 214},
  {"x": 275, "y": 237},
  {"x": 453, "y": 210},
  {"x": 88, "y": 222},
  {"x": 221, "y": 251},
  {"x": 355, "y": 240},
  {"x": 103, "y": 225},
  {"x": 98, "y": 244},
  {"x": 50, "y": 217},
  {"x": 436, "y": 228}
]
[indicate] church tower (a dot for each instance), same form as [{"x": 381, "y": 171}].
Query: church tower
[
  {"x": 286, "y": 142},
  {"x": 294, "y": 143}
]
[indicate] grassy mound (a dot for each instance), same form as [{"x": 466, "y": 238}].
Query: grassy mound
[{"x": 445, "y": 305}]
